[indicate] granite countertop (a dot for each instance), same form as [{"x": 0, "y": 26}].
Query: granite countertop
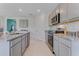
[
  {"x": 13, "y": 36},
  {"x": 9, "y": 37},
  {"x": 65, "y": 36},
  {"x": 5, "y": 38}
]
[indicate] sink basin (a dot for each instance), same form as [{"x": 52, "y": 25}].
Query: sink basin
[{"x": 15, "y": 33}]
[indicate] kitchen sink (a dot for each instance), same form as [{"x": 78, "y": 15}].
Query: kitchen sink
[{"x": 15, "y": 33}]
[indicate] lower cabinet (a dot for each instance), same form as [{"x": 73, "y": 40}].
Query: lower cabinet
[
  {"x": 23, "y": 44},
  {"x": 55, "y": 47},
  {"x": 19, "y": 45},
  {"x": 16, "y": 50},
  {"x": 28, "y": 39},
  {"x": 62, "y": 46},
  {"x": 64, "y": 50}
]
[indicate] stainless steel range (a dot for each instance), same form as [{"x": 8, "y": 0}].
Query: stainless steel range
[{"x": 50, "y": 40}]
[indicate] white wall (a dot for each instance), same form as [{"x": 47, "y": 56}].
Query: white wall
[
  {"x": 1, "y": 21},
  {"x": 38, "y": 26}
]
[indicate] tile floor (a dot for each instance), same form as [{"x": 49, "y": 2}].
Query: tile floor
[{"x": 38, "y": 48}]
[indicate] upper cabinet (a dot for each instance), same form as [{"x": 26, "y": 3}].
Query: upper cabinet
[
  {"x": 57, "y": 9},
  {"x": 73, "y": 10},
  {"x": 67, "y": 12},
  {"x": 63, "y": 12}
]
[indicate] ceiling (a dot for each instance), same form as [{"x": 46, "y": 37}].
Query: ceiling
[{"x": 25, "y": 9}]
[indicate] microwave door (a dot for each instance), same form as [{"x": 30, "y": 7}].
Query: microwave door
[{"x": 56, "y": 19}]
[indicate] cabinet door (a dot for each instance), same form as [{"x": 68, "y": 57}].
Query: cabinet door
[
  {"x": 55, "y": 47},
  {"x": 16, "y": 50},
  {"x": 57, "y": 10},
  {"x": 63, "y": 12},
  {"x": 64, "y": 50},
  {"x": 23, "y": 44},
  {"x": 73, "y": 10},
  {"x": 28, "y": 39}
]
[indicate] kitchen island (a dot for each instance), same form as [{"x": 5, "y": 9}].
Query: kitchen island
[{"x": 14, "y": 44}]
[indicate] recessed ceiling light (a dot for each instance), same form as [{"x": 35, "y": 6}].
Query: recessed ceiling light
[
  {"x": 20, "y": 10},
  {"x": 38, "y": 10}
]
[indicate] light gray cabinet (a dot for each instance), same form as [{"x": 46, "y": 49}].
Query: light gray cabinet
[
  {"x": 69, "y": 11},
  {"x": 63, "y": 12},
  {"x": 23, "y": 44},
  {"x": 15, "y": 47},
  {"x": 62, "y": 46},
  {"x": 73, "y": 10},
  {"x": 57, "y": 10},
  {"x": 16, "y": 50},
  {"x": 28, "y": 39},
  {"x": 55, "y": 47},
  {"x": 14, "y": 44},
  {"x": 19, "y": 45},
  {"x": 64, "y": 50}
]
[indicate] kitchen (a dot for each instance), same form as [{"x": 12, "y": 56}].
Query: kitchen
[
  {"x": 65, "y": 29},
  {"x": 54, "y": 24},
  {"x": 20, "y": 26}
]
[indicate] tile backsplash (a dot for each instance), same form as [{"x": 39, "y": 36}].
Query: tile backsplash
[
  {"x": 70, "y": 26},
  {"x": 73, "y": 26}
]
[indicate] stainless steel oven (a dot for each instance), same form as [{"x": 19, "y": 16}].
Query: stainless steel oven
[{"x": 50, "y": 40}]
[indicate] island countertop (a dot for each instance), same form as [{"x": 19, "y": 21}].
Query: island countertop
[
  {"x": 9, "y": 37},
  {"x": 67, "y": 37}
]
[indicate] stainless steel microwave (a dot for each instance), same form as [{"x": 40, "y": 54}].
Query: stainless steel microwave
[{"x": 56, "y": 19}]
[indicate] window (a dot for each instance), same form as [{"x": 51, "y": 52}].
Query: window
[{"x": 23, "y": 23}]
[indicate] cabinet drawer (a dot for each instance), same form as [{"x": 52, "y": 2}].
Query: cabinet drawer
[
  {"x": 16, "y": 50},
  {"x": 63, "y": 40},
  {"x": 68, "y": 42},
  {"x": 15, "y": 41},
  {"x": 64, "y": 50},
  {"x": 24, "y": 36}
]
